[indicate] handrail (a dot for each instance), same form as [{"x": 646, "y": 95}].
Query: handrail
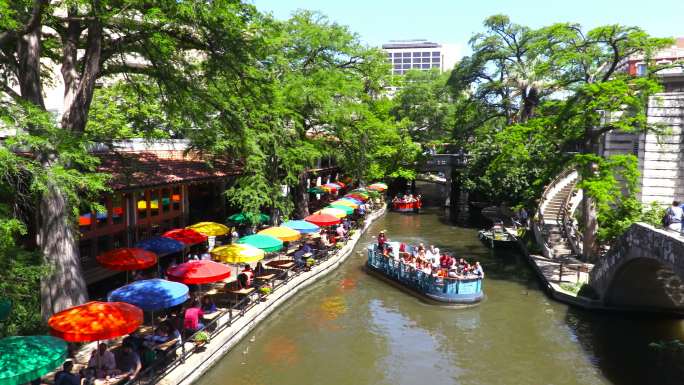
[
  {"x": 568, "y": 227},
  {"x": 538, "y": 219}
]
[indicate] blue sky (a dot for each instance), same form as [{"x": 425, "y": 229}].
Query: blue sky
[{"x": 455, "y": 21}]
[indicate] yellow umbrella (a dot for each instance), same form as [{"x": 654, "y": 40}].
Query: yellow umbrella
[
  {"x": 210, "y": 229},
  {"x": 343, "y": 202},
  {"x": 283, "y": 233},
  {"x": 337, "y": 213},
  {"x": 237, "y": 253}
]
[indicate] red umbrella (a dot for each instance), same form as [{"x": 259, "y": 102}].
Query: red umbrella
[
  {"x": 323, "y": 219},
  {"x": 128, "y": 258},
  {"x": 341, "y": 184},
  {"x": 95, "y": 321},
  {"x": 198, "y": 272},
  {"x": 186, "y": 236}
]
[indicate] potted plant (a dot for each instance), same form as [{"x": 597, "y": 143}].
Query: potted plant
[
  {"x": 309, "y": 263},
  {"x": 265, "y": 291},
  {"x": 200, "y": 338}
]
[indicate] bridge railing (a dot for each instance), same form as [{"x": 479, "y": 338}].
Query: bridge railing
[{"x": 446, "y": 160}]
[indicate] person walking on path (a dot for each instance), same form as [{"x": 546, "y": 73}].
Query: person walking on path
[{"x": 673, "y": 217}]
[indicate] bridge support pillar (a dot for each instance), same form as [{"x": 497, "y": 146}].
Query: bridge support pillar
[{"x": 462, "y": 208}]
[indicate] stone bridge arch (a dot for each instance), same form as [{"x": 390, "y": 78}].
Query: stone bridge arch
[{"x": 644, "y": 271}]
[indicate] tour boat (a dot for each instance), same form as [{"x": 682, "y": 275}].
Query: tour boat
[
  {"x": 407, "y": 207},
  {"x": 442, "y": 290},
  {"x": 498, "y": 237}
]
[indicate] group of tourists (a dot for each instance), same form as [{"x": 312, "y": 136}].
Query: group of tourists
[
  {"x": 429, "y": 260},
  {"x": 407, "y": 198},
  {"x": 674, "y": 217}
]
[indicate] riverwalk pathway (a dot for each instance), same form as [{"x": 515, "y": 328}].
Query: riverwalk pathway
[{"x": 233, "y": 330}]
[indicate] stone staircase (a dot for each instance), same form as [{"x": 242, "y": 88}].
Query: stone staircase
[{"x": 551, "y": 216}]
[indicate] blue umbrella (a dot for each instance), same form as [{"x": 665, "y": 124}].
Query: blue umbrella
[
  {"x": 160, "y": 245},
  {"x": 303, "y": 227},
  {"x": 151, "y": 294}
]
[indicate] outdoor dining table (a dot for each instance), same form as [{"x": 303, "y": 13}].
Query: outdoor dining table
[
  {"x": 266, "y": 278},
  {"x": 281, "y": 264}
]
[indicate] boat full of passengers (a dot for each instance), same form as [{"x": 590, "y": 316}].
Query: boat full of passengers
[{"x": 436, "y": 276}]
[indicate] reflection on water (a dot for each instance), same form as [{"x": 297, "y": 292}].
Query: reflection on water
[{"x": 352, "y": 328}]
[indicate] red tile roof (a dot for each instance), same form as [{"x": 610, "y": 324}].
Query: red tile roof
[{"x": 132, "y": 170}]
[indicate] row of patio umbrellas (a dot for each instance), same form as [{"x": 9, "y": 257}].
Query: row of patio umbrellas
[{"x": 25, "y": 358}]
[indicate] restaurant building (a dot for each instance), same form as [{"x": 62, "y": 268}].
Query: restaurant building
[{"x": 155, "y": 187}]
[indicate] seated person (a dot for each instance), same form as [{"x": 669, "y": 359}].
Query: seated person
[
  {"x": 160, "y": 336},
  {"x": 445, "y": 261},
  {"x": 193, "y": 315},
  {"x": 103, "y": 361},
  {"x": 247, "y": 269},
  {"x": 259, "y": 269},
  {"x": 299, "y": 260},
  {"x": 65, "y": 376},
  {"x": 243, "y": 281},
  {"x": 382, "y": 239},
  {"x": 129, "y": 362},
  {"x": 208, "y": 305},
  {"x": 306, "y": 249}
]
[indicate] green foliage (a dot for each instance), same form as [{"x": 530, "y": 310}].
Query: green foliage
[{"x": 425, "y": 100}]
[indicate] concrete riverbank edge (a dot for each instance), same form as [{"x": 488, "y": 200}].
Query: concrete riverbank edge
[
  {"x": 552, "y": 289},
  {"x": 197, "y": 364}
]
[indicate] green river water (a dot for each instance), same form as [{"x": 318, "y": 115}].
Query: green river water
[{"x": 352, "y": 328}]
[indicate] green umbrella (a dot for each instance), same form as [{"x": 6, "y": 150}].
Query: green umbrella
[
  {"x": 346, "y": 209},
  {"x": 26, "y": 358},
  {"x": 5, "y": 308},
  {"x": 244, "y": 218},
  {"x": 315, "y": 190},
  {"x": 266, "y": 243}
]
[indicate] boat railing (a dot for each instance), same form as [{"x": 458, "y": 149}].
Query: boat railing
[{"x": 426, "y": 282}]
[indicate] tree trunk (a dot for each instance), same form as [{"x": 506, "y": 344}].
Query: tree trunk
[
  {"x": 590, "y": 246},
  {"x": 301, "y": 196},
  {"x": 64, "y": 286},
  {"x": 28, "y": 50},
  {"x": 589, "y": 217}
]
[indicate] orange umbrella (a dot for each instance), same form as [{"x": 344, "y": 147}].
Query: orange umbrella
[
  {"x": 95, "y": 321},
  {"x": 128, "y": 258}
]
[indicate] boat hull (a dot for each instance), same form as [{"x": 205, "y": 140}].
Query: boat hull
[
  {"x": 410, "y": 207},
  {"x": 445, "y": 291},
  {"x": 510, "y": 244}
]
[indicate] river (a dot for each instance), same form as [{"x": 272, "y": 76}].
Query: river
[{"x": 352, "y": 328}]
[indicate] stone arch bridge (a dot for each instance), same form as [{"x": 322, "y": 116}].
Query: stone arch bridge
[{"x": 643, "y": 272}]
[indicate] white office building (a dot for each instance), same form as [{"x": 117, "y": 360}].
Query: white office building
[{"x": 420, "y": 54}]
